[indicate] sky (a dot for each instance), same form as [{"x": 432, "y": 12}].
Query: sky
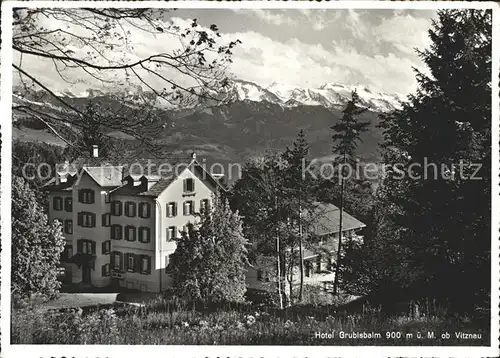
[{"x": 296, "y": 47}]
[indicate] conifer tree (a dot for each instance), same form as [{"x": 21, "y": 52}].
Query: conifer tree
[
  {"x": 438, "y": 220},
  {"x": 345, "y": 138}
]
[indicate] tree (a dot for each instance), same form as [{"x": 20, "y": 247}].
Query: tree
[
  {"x": 345, "y": 138},
  {"x": 260, "y": 197},
  {"x": 36, "y": 245},
  {"x": 75, "y": 42},
  {"x": 436, "y": 217},
  {"x": 210, "y": 260},
  {"x": 300, "y": 192}
]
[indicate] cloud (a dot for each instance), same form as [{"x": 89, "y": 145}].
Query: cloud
[
  {"x": 273, "y": 17},
  {"x": 404, "y": 32},
  {"x": 345, "y": 48}
]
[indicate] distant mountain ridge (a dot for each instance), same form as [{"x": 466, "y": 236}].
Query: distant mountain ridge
[{"x": 329, "y": 95}]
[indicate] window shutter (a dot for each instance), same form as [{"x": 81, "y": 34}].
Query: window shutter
[
  {"x": 126, "y": 261},
  {"x": 79, "y": 246},
  {"x": 185, "y": 185},
  {"x": 149, "y": 264},
  {"x": 112, "y": 259},
  {"x": 175, "y": 209},
  {"x": 93, "y": 248},
  {"x": 103, "y": 270},
  {"x": 92, "y": 196},
  {"x": 168, "y": 210},
  {"x": 92, "y": 220},
  {"x": 119, "y": 208},
  {"x": 184, "y": 210},
  {"x": 80, "y": 195},
  {"x": 137, "y": 262},
  {"x": 133, "y": 209},
  {"x": 103, "y": 247},
  {"x": 120, "y": 255},
  {"x": 147, "y": 233},
  {"x": 79, "y": 216}
]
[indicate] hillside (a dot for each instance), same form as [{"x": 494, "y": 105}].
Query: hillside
[{"x": 255, "y": 119}]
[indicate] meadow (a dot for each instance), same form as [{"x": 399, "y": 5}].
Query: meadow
[{"x": 163, "y": 321}]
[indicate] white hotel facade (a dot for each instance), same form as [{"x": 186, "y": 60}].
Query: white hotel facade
[{"x": 120, "y": 221}]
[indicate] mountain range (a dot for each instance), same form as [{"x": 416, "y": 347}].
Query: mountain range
[
  {"x": 256, "y": 118},
  {"x": 329, "y": 95}
]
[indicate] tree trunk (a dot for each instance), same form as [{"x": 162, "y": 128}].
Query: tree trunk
[
  {"x": 337, "y": 264},
  {"x": 278, "y": 274},
  {"x": 301, "y": 258},
  {"x": 290, "y": 281},
  {"x": 278, "y": 258}
]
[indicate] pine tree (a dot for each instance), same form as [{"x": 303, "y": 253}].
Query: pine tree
[
  {"x": 300, "y": 188},
  {"x": 36, "y": 245},
  {"x": 210, "y": 260},
  {"x": 345, "y": 138},
  {"x": 439, "y": 223}
]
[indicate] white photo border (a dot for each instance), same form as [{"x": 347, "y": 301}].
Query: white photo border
[{"x": 9, "y": 350}]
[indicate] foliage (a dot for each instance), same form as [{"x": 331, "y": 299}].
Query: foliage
[
  {"x": 210, "y": 260},
  {"x": 164, "y": 322},
  {"x": 35, "y": 161},
  {"x": 346, "y": 135},
  {"x": 433, "y": 227},
  {"x": 36, "y": 245},
  {"x": 73, "y": 45}
]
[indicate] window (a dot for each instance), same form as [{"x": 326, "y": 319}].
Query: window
[
  {"x": 204, "y": 206},
  {"x": 116, "y": 232},
  {"x": 188, "y": 207},
  {"x": 86, "y": 246},
  {"x": 86, "y": 196},
  {"x": 106, "y": 247},
  {"x": 130, "y": 260},
  {"x": 86, "y": 219},
  {"x": 318, "y": 264},
  {"x": 67, "y": 253},
  {"x": 171, "y": 233},
  {"x": 130, "y": 209},
  {"x": 105, "y": 270},
  {"x": 144, "y": 210},
  {"x": 188, "y": 185},
  {"x": 116, "y": 208},
  {"x": 116, "y": 260},
  {"x": 130, "y": 233},
  {"x": 144, "y": 234},
  {"x": 68, "y": 226},
  {"x": 106, "y": 220},
  {"x": 107, "y": 198},
  {"x": 68, "y": 204},
  {"x": 57, "y": 203},
  {"x": 171, "y": 209},
  {"x": 145, "y": 264}
]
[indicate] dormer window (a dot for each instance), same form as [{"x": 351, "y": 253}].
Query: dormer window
[{"x": 188, "y": 185}]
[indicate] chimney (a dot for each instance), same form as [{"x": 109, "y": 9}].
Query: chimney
[
  {"x": 193, "y": 155},
  {"x": 95, "y": 151}
]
